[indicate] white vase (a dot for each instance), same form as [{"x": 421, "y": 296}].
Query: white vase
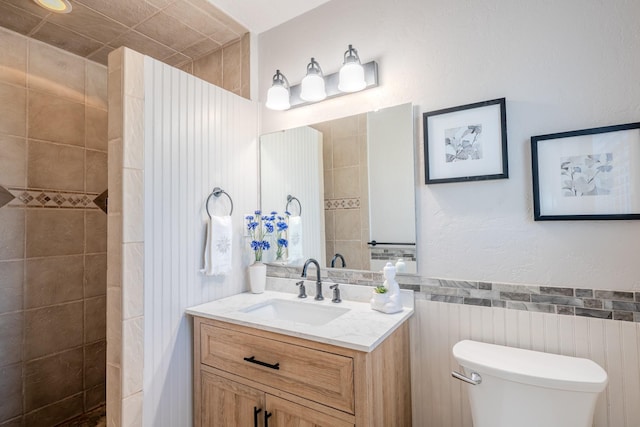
[{"x": 257, "y": 277}]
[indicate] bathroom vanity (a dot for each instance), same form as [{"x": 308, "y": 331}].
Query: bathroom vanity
[{"x": 254, "y": 367}]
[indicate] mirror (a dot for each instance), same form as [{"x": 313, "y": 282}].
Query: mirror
[{"x": 354, "y": 178}]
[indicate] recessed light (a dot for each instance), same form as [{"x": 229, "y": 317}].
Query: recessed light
[{"x": 58, "y": 6}]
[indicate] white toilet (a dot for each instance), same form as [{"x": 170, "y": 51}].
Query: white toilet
[{"x": 512, "y": 387}]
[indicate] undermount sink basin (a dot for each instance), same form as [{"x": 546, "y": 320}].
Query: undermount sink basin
[{"x": 293, "y": 311}]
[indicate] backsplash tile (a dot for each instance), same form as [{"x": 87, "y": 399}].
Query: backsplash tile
[{"x": 600, "y": 304}]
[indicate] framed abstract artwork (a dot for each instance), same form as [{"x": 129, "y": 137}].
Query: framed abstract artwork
[
  {"x": 466, "y": 143},
  {"x": 589, "y": 174}
]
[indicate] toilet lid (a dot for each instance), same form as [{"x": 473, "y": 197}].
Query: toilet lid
[{"x": 531, "y": 367}]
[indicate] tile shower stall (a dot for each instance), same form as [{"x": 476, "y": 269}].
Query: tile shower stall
[{"x": 53, "y": 233}]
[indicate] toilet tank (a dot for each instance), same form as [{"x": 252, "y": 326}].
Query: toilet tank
[{"x": 527, "y": 388}]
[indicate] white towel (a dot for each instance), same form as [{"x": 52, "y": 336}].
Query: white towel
[
  {"x": 294, "y": 250},
  {"x": 217, "y": 247}
]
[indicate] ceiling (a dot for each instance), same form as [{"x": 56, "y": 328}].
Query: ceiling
[{"x": 173, "y": 31}]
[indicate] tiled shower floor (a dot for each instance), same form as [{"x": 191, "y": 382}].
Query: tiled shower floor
[{"x": 95, "y": 418}]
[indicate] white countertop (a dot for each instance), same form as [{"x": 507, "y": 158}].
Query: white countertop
[{"x": 361, "y": 328}]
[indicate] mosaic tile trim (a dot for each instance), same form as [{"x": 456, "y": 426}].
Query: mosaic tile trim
[
  {"x": 599, "y": 304},
  {"x": 347, "y": 203},
  {"x": 392, "y": 254},
  {"x": 33, "y": 198}
]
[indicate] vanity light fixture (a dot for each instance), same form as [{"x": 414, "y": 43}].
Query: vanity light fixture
[
  {"x": 278, "y": 94},
  {"x": 312, "y": 85},
  {"x": 315, "y": 86},
  {"x": 352, "y": 72},
  {"x": 57, "y": 6}
]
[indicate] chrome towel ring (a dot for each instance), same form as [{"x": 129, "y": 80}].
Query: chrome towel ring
[
  {"x": 217, "y": 192},
  {"x": 290, "y": 199}
]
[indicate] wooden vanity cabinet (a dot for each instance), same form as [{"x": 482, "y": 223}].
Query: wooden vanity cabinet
[{"x": 242, "y": 374}]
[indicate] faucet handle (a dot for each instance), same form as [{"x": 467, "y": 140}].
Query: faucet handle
[
  {"x": 336, "y": 293},
  {"x": 303, "y": 291}
]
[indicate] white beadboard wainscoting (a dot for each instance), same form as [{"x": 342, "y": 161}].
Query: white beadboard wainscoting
[
  {"x": 439, "y": 400},
  {"x": 179, "y": 138}
]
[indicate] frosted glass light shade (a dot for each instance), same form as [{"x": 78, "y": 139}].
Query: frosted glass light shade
[
  {"x": 58, "y": 6},
  {"x": 351, "y": 77},
  {"x": 278, "y": 98},
  {"x": 312, "y": 89}
]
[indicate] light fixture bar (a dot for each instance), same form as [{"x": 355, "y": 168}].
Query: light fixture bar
[{"x": 331, "y": 85}]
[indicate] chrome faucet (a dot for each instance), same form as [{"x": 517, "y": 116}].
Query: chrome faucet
[
  {"x": 335, "y": 258},
  {"x": 319, "y": 296}
]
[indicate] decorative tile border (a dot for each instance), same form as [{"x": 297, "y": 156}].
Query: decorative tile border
[
  {"x": 600, "y": 304},
  {"x": 347, "y": 203},
  {"x": 392, "y": 254},
  {"x": 34, "y": 198}
]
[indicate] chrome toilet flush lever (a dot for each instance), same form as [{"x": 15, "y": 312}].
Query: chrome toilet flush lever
[{"x": 474, "y": 380}]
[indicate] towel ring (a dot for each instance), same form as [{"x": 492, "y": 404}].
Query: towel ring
[
  {"x": 290, "y": 199},
  {"x": 217, "y": 192}
]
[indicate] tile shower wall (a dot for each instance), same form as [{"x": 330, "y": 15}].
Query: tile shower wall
[
  {"x": 346, "y": 189},
  {"x": 53, "y": 164},
  {"x": 172, "y": 139}
]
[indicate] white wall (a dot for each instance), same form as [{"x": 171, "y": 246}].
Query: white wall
[{"x": 561, "y": 66}]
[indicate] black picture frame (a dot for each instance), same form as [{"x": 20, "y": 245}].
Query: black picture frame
[
  {"x": 588, "y": 174},
  {"x": 466, "y": 143}
]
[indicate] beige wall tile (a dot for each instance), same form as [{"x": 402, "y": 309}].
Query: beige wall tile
[
  {"x": 13, "y": 104},
  {"x": 96, "y": 128},
  {"x": 96, "y": 85},
  {"x": 245, "y": 64},
  {"x": 12, "y": 233},
  {"x": 352, "y": 252},
  {"x": 13, "y": 166},
  {"x": 132, "y": 356},
  {"x": 95, "y": 275},
  {"x": 55, "y": 71},
  {"x": 96, "y": 171},
  {"x": 13, "y": 58},
  {"x": 47, "y": 379},
  {"x": 55, "y": 166},
  {"x": 10, "y": 391},
  {"x": 346, "y": 126},
  {"x": 133, "y": 74},
  {"x": 346, "y": 152},
  {"x": 329, "y": 224},
  {"x": 95, "y": 396},
  {"x": 55, "y": 119},
  {"x": 54, "y": 232},
  {"x": 95, "y": 364},
  {"x": 55, "y": 414},
  {"x": 53, "y": 280},
  {"x": 133, "y": 133},
  {"x": 52, "y": 329},
  {"x": 11, "y": 327},
  {"x": 114, "y": 326},
  {"x": 96, "y": 232},
  {"x": 11, "y": 286},
  {"x": 347, "y": 225},
  {"x": 209, "y": 68},
  {"x": 132, "y": 206},
  {"x": 116, "y": 104},
  {"x": 346, "y": 182},
  {"x": 114, "y": 395},
  {"x": 132, "y": 280},
  {"x": 132, "y": 411},
  {"x": 95, "y": 319},
  {"x": 231, "y": 66},
  {"x": 114, "y": 165}
]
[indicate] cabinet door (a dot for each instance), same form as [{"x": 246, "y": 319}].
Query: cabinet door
[
  {"x": 289, "y": 414},
  {"x": 227, "y": 403}
]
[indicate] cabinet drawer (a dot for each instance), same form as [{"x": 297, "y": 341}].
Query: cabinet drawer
[{"x": 317, "y": 375}]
